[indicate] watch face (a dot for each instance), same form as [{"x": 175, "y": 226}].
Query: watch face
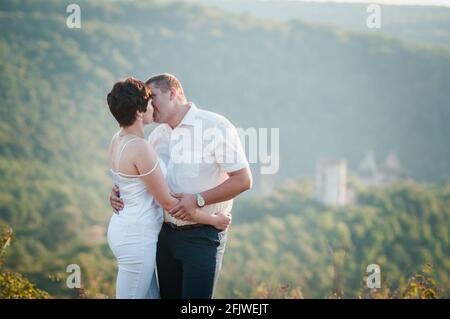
[{"x": 200, "y": 200}]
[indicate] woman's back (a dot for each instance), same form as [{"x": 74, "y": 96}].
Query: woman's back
[{"x": 139, "y": 204}]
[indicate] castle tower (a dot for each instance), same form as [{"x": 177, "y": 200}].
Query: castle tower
[{"x": 331, "y": 182}]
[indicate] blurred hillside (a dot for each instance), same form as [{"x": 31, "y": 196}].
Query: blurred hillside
[
  {"x": 414, "y": 23},
  {"x": 289, "y": 240}
]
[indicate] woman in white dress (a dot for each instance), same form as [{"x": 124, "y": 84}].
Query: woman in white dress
[{"x": 139, "y": 174}]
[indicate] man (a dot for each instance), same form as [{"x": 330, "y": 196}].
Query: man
[{"x": 206, "y": 168}]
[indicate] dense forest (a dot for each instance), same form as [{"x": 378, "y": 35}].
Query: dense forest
[
  {"x": 289, "y": 246},
  {"x": 289, "y": 239},
  {"x": 332, "y": 93}
]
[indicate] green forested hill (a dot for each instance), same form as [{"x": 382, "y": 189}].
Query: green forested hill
[
  {"x": 426, "y": 24},
  {"x": 288, "y": 239},
  {"x": 332, "y": 93}
]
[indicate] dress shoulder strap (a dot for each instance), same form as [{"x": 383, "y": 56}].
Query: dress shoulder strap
[{"x": 120, "y": 156}]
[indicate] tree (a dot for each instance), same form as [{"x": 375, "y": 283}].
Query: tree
[{"x": 14, "y": 285}]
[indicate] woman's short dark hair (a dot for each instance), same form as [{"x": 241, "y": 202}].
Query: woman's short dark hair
[{"x": 127, "y": 97}]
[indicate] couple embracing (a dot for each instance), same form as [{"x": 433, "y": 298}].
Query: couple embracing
[{"x": 173, "y": 192}]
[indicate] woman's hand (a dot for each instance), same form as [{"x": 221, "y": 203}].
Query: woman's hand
[
  {"x": 115, "y": 200},
  {"x": 222, "y": 221}
]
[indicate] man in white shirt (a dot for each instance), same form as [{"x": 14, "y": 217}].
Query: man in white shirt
[{"x": 206, "y": 168}]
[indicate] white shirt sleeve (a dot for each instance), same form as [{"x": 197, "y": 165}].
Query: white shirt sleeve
[{"x": 228, "y": 150}]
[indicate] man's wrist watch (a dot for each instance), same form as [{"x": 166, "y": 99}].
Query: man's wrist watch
[{"x": 200, "y": 200}]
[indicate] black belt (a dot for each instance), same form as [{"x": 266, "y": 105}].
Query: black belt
[{"x": 183, "y": 227}]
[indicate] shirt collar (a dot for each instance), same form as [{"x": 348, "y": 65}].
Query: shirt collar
[{"x": 189, "y": 117}]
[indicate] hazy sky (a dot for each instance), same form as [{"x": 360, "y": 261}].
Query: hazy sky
[{"x": 445, "y": 3}]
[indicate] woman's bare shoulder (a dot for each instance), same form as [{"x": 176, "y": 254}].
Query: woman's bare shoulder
[
  {"x": 141, "y": 147},
  {"x": 114, "y": 141}
]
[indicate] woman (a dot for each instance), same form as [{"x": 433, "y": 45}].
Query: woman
[{"x": 136, "y": 169}]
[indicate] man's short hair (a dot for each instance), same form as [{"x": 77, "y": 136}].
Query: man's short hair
[{"x": 165, "y": 81}]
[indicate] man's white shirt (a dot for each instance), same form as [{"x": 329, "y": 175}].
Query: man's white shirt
[{"x": 198, "y": 154}]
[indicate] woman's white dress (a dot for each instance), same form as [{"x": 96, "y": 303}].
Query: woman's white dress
[{"x": 133, "y": 235}]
